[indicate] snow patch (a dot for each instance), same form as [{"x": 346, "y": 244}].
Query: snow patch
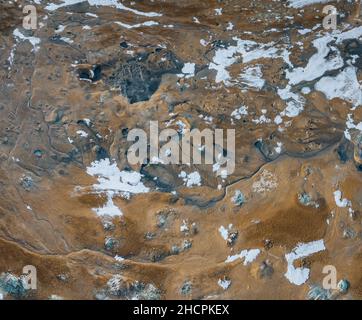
[
  {"x": 342, "y": 203},
  {"x": 106, "y": 3},
  {"x": 248, "y": 256},
  {"x": 223, "y": 283},
  {"x": 344, "y": 86},
  {"x": 299, "y": 276},
  {"x": 191, "y": 179},
  {"x": 33, "y": 40}
]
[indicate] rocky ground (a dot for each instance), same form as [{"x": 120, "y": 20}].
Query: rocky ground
[{"x": 98, "y": 227}]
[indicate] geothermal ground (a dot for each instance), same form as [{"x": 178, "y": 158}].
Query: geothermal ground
[{"x": 96, "y": 226}]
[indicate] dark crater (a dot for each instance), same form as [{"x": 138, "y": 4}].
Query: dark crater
[
  {"x": 94, "y": 74},
  {"x": 139, "y": 77}
]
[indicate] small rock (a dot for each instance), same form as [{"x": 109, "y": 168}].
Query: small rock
[
  {"x": 26, "y": 182},
  {"x": 161, "y": 220},
  {"x": 62, "y": 277},
  {"x": 110, "y": 243},
  {"x": 232, "y": 238},
  {"x": 268, "y": 244},
  {"x": 348, "y": 233},
  {"x": 184, "y": 227},
  {"x": 108, "y": 225},
  {"x": 266, "y": 270},
  {"x": 186, "y": 288},
  {"x": 187, "y": 244},
  {"x": 175, "y": 250},
  {"x": 194, "y": 228},
  {"x": 150, "y": 235}
]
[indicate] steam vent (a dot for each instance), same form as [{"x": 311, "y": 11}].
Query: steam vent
[{"x": 180, "y": 150}]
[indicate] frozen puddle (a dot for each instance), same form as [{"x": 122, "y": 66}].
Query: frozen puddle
[
  {"x": 113, "y": 182},
  {"x": 299, "y": 276}
]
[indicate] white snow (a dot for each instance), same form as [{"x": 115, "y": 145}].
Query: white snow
[
  {"x": 89, "y": 14},
  {"x": 203, "y": 42},
  {"x": 344, "y": 86},
  {"x": 262, "y": 119},
  {"x": 304, "y": 31},
  {"x": 195, "y": 20},
  {"x": 223, "y": 283},
  {"x": 118, "y": 258},
  {"x": 184, "y": 227},
  {"x": 60, "y": 28},
  {"x": 230, "y": 26},
  {"x": 224, "y": 232},
  {"x": 248, "y": 50},
  {"x": 350, "y": 125},
  {"x": 302, "y": 3},
  {"x": 278, "y": 148},
  {"x": 218, "y": 11},
  {"x": 191, "y": 179},
  {"x": 299, "y": 276},
  {"x": 110, "y": 178},
  {"x": 253, "y": 77},
  {"x": 109, "y": 209},
  {"x": 295, "y": 102},
  {"x": 327, "y": 58},
  {"x": 319, "y": 63},
  {"x": 67, "y": 40},
  {"x": 11, "y": 56},
  {"x": 237, "y": 113},
  {"x": 113, "y": 182},
  {"x": 82, "y": 133},
  {"x": 278, "y": 120},
  {"x": 248, "y": 256},
  {"x": 342, "y": 203},
  {"x": 305, "y": 90},
  {"x": 138, "y": 25},
  {"x": 188, "y": 69},
  {"x": 33, "y": 40},
  {"x": 108, "y": 3},
  {"x": 181, "y": 126}
]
